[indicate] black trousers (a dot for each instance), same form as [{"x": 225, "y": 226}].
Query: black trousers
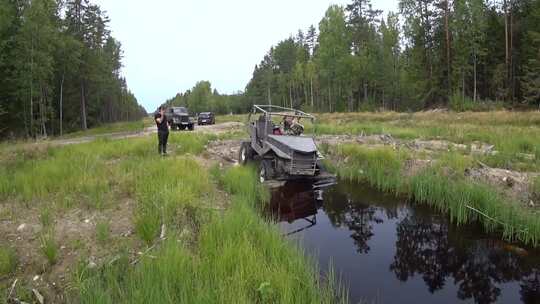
[{"x": 163, "y": 137}]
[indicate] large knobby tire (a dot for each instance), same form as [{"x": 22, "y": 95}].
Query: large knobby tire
[
  {"x": 246, "y": 153},
  {"x": 191, "y": 127},
  {"x": 266, "y": 172}
]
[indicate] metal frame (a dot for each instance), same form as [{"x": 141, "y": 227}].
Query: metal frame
[
  {"x": 267, "y": 109},
  {"x": 282, "y": 111}
]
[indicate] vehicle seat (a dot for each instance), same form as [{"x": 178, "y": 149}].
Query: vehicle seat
[{"x": 263, "y": 127}]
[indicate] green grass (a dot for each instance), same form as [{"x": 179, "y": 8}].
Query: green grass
[
  {"x": 49, "y": 247},
  {"x": 444, "y": 186},
  {"x": 512, "y": 133},
  {"x": 46, "y": 217},
  {"x": 83, "y": 173},
  {"x": 8, "y": 261},
  {"x": 103, "y": 231},
  {"x": 239, "y": 258},
  {"x": 128, "y": 126},
  {"x": 535, "y": 189}
]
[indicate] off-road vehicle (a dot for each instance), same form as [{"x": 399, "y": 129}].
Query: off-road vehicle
[
  {"x": 179, "y": 119},
  {"x": 278, "y": 142}
]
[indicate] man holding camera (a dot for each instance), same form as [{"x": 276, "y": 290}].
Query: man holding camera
[{"x": 163, "y": 130}]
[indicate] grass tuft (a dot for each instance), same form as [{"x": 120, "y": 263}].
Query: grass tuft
[
  {"x": 46, "y": 217},
  {"x": 49, "y": 247},
  {"x": 8, "y": 260},
  {"x": 103, "y": 231}
]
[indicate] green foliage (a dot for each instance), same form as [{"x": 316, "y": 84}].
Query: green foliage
[
  {"x": 460, "y": 103},
  {"x": 240, "y": 258},
  {"x": 364, "y": 61},
  {"x": 535, "y": 188},
  {"x": 380, "y": 167},
  {"x": 60, "y": 69},
  {"x": 49, "y": 247},
  {"x": 201, "y": 98},
  {"x": 244, "y": 183},
  {"x": 511, "y": 133},
  {"x": 8, "y": 260},
  {"x": 46, "y": 217},
  {"x": 103, "y": 231},
  {"x": 444, "y": 186}
]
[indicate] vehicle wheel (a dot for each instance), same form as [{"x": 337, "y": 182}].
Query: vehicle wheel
[
  {"x": 266, "y": 172},
  {"x": 191, "y": 127},
  {"x": 246, "y": 153}
]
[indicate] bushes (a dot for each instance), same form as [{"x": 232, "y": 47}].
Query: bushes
[{"x": 460, "y": 103}]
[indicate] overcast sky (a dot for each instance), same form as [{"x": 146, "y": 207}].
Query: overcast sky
[{"x": 169, "y": 45}]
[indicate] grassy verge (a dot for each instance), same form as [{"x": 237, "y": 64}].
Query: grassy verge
[
  {"x": 126, "y": 126},
  {"x": 515, "y": 135},
  {"x": 231, "y": 118},
  {"x": 443, "y": 185},
  {"x": 239, "y": 258}
]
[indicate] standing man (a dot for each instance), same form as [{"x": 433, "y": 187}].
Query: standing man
[{"x": 163, "y": 130}]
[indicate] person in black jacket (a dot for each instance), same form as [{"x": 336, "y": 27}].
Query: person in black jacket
[{"x": 163, "y": 130}]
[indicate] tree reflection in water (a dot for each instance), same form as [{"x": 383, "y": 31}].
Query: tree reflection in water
[{"x": 427, "y": 244}]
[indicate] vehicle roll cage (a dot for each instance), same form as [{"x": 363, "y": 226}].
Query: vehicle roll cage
[{"x": 271, "y": 110}]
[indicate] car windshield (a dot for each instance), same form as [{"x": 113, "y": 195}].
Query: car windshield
[
  {"x": 204, "y": 115},
  {"x": 180, "y": 110}
]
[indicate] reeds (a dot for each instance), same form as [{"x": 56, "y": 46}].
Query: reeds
[{"x": 444, "y": 186}]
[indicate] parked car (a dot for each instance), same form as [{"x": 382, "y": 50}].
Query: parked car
[
  {"x": 206, "y": 118},
  {"x": 179, "y": 118}
]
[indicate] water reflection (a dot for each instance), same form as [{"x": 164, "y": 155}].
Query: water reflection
[
  {"x": 427, "y": 247},
  {"x": 296, "y": 201}
]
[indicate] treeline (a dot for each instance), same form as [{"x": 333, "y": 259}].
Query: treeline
[
  {"x": 460, "y": 53},
  {"x": 59, "y": 69},
  {"x": 202, "y": 98}
]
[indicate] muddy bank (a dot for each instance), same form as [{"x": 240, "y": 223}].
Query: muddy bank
[{"x": 513, "y": 184}]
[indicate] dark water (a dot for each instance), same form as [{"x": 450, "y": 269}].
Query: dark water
[{"x": 388, "y": 250}]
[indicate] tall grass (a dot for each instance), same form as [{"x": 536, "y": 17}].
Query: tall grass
[
  {"x": 49, "y": 247},
  {"x": 86, "y": 173},
  {"x": 512, "y": 133},
  {"x": 443, "y": 186},
  {"x": 239, "y": 258},
  {"x": 163, "y": 189}
]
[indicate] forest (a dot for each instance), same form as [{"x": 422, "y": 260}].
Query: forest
[
  {"x": 59, "y": 69},
  {"x": 202, "y": 98},
  {"x": 462, "y": 54}
]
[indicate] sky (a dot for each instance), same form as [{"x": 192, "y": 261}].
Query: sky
[{"x": 169, "y": 45}]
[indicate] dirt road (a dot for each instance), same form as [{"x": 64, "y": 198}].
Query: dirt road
[{"x": 214, "y": 129}]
